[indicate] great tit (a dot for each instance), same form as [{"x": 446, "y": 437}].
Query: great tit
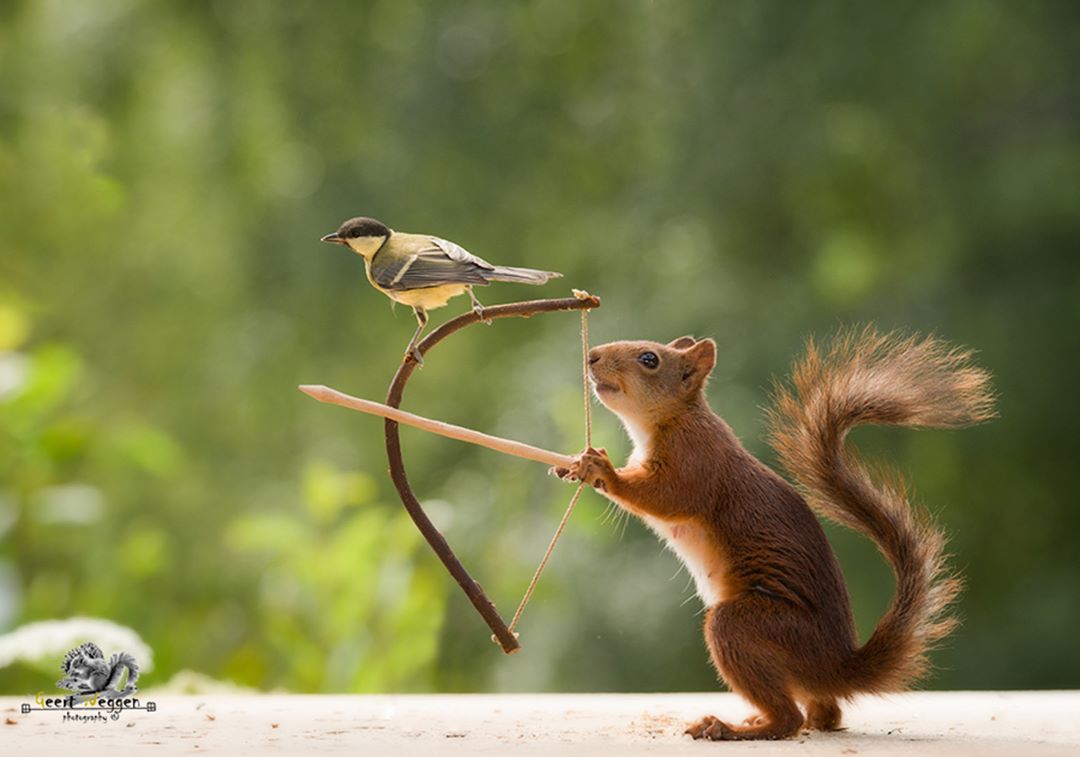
[{"x": 423, "y": 271}]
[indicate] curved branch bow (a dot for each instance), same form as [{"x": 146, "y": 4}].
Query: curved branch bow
[{"x": 503, "y": 634}]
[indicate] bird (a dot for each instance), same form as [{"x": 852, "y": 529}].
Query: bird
[{"x": 423, "y": 271}]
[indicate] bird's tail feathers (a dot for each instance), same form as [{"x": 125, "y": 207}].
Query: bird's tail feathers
[{"x": 520, "y": 275}]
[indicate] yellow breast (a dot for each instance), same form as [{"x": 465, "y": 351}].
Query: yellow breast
[{"x": 427, "y": 298}]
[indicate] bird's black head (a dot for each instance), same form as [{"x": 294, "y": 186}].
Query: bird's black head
[{"x": 358, "y": 228}]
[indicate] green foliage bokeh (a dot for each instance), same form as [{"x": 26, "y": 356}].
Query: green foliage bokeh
[{"x": 752, "y": 171}]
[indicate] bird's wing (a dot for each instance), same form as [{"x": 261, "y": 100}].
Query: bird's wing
[
  {"x": 427, "y": 263},
  {"x": 460, "y": 254}
]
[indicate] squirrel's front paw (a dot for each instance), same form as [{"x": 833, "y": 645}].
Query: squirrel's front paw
[
  {"x": 594, "y": 468},
  {"x": 563, "y": 473}
]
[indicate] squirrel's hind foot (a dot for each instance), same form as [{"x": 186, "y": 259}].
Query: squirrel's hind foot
[
  {"x": 712, "y": 729},
  {"x": 823, "y": 715},
  {"x": 757, "y": 728}
]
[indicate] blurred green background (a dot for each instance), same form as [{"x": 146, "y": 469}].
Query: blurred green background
[{"x": 752, "y": 171}]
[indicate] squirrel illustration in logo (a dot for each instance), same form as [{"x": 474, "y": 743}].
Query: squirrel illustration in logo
[{"x": 87, "y": 672}]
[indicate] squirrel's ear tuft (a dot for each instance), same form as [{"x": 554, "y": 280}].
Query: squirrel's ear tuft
[
  {"x": 683, "y": 342},
  {"x": 701, "y": 359}
]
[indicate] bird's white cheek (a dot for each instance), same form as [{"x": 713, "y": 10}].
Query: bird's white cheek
[{"x": 365, "y": 246}]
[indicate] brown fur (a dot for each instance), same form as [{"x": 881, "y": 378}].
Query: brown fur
[{"x": 779, "y": 626}]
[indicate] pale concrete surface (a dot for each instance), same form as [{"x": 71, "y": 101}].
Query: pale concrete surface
[{"x": 983, "y": 723}]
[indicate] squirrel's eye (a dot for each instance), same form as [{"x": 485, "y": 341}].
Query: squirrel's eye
[{"x": 649, "y": 359}]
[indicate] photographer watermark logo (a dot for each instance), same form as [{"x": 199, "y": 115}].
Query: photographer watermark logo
[{"x": 101, "y": 689}]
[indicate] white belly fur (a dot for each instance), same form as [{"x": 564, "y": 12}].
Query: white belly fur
[
  {"x": 685, "y": 539},
  {"x": 692, "y": 546}
]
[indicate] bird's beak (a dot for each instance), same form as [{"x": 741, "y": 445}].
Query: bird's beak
[{"x": 333, "y": 238}]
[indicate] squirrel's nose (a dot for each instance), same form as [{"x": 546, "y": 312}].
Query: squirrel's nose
[{"x": 594, "y": 357}]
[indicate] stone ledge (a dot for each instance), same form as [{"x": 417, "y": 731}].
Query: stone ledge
[{"x": 926, "y": 723}]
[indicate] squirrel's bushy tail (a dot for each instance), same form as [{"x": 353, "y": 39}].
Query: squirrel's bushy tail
[{"x": 866, "y": 377}]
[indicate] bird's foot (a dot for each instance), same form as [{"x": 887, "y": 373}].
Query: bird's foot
[
  {"x": 415, "y": 356},
  {"x": 481, "y": 313}
]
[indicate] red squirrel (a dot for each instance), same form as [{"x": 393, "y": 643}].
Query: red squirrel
[{"x": 779, "y": 626}]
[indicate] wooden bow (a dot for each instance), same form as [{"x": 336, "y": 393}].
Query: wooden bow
[{"x": 503, "y": 634}]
